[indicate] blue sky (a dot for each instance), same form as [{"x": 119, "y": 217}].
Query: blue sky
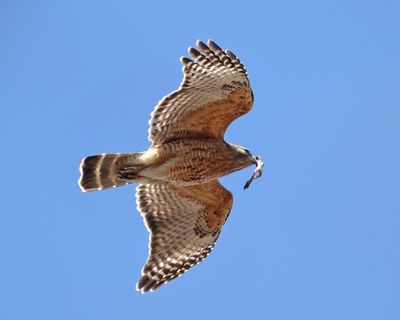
[{"x": 316, "y": 238}]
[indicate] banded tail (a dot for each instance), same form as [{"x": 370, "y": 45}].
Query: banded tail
[{"x": 109, "y": 170}]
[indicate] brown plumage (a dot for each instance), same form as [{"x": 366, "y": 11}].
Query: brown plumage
[{"x": 182, "y": 203}]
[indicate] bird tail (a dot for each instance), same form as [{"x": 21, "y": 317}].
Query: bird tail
[{"x": 109, "y": 170}]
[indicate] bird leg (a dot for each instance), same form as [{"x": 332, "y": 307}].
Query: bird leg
[{"x": 256, "y": 173}]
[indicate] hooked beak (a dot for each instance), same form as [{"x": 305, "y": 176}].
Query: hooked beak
[
  {"x": 254, "y": 159},
  {"x": 257, "y": 172}
]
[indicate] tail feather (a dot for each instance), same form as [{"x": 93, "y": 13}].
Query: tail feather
[{"x": 109, "y": 170}]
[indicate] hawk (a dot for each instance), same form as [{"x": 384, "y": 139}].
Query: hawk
[{"x": 182, "y": 203}]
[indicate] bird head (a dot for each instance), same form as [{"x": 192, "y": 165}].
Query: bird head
[
  {"x": 250, "y": 159},
  {"x": 244, "y": 153}
]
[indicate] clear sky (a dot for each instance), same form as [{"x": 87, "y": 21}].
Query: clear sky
[{"x": 316, "y": 238}]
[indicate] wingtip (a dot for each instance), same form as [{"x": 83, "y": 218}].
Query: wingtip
[
  {"x": 201, "y": 45},
  {"x": 213, "y": 45},
  {"x": 193, "y": 52},
  {"x": 139, "y": 289},
  {"x": 231, "y": 55},
  {"x": 185, "y": 60},
  {"x": 211, "y": 42}
]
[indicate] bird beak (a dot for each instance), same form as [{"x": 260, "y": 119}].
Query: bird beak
[
  {"x": 257, "y": 172},
  {"x": 254, "y": 159}
]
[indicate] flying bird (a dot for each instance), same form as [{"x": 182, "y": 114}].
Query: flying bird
[{"x": 182, "y": 203}]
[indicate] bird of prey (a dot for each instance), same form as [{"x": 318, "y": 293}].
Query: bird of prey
[{"x": 179, "y": 196}]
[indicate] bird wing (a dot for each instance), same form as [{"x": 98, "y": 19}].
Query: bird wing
[
  {"x": 215, "y": 91},
  {"x": 184, "y": 224}
]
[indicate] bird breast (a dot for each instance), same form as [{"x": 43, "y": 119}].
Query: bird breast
[{"x": 189, "y": 161}]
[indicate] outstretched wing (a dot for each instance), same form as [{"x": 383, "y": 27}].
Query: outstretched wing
[
  {"x": 184, "y": 223},
  {"x": 214, "y": 92}
]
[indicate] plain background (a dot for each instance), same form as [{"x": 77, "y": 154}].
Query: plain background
[{"x": 316, "y": 238}]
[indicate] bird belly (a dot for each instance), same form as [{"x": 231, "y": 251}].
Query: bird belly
[{"x": 192, "y": 163}]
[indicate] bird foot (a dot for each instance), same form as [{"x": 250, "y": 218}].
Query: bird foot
[{"x": 256, "y": 173}]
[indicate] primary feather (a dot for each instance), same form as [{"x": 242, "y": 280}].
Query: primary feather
[{"x": 179, "y": 196}]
